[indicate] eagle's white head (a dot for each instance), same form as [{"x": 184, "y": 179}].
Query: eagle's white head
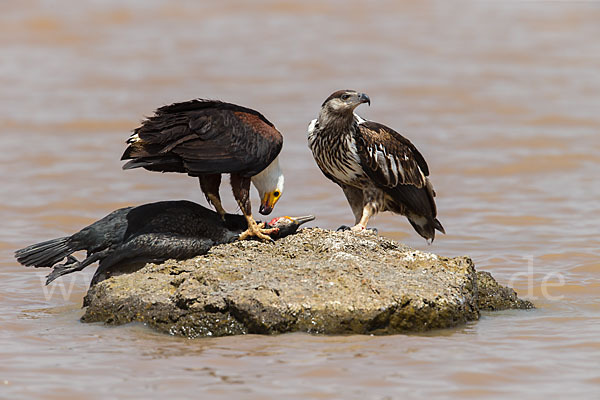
[{"x": 269, "y": 183}]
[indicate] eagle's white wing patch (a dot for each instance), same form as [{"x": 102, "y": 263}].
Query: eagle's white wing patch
[
  {"x": 311, "y": 126},
  {"x": 359, "y": 119},
  {"x": 311, "y": 133},
  {"x": 133, "y": 138},
  {"x": 388, "y": 164}
]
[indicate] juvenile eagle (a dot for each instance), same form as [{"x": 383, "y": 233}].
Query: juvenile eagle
[
  {"x": 207, "y": 138},
  {"x": 377, "y": 168}
]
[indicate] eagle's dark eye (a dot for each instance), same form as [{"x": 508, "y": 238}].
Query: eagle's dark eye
[
  {"x": 345, "y": 97},
  {"x": 276, "y": 193}
]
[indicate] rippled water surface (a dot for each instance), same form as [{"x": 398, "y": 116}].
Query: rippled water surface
[{"x": 503, "y": 98}]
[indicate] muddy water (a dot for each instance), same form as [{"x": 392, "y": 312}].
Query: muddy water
[{"x": 503, "y": 98}]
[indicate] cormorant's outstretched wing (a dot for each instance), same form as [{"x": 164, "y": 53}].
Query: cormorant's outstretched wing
[
  {"x": 204, "y": 137},
  {"x": 394, "y": 164}
]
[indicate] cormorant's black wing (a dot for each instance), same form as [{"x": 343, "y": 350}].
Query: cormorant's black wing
[
  {"x": 182, "y": 218},
  {"x": 204, "y": 137}
]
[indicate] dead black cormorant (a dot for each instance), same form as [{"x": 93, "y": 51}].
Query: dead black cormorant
[{"x": 134, "y": 236}]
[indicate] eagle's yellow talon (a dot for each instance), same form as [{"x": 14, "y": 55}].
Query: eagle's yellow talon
[{"x": 257, "y": 230}]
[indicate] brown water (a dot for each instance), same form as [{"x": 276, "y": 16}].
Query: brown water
[{"x": 503, "y": 98}]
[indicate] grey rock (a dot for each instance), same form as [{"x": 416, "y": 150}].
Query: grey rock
[
  {"x": 494, "y": 297},
  {"x": 315, "y": 281}
]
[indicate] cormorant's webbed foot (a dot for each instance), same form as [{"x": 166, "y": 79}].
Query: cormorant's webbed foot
[
  {"x": 62, "y": 269},
  {"x": 72, "y": 265},
  {"x": 257, "y": 230},
  {"x": 70, "y": 260}
]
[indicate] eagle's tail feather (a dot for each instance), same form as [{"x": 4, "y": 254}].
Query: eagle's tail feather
[
  {"x": 425, "y": 226},
  {"x": 160, "y": 164},
  {"x": 438, "y": 225}
]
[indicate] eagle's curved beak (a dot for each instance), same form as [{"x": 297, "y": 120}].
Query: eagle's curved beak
[
  {"x": 268, "y": 202},
  {"x": 363, "y": 98}
]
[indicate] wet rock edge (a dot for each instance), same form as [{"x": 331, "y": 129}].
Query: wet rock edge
[{"x": 316, "y": 281}]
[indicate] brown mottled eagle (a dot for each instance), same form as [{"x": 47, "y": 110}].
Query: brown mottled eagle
[
  {"x": 207, "y": 138},
  {"x": 377, "y": 168}
]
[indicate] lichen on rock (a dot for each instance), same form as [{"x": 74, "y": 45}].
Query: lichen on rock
[{"x": 315, "y": 281}]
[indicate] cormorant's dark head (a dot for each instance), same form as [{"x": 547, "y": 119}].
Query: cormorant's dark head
[
  {"x": 286, "y": 225},
  {"x": 345, "y": 101}
]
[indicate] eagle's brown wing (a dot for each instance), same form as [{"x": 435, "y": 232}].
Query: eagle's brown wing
[
  {"x": 395, "y": 165},
  {"x": 204, "y": 137}
]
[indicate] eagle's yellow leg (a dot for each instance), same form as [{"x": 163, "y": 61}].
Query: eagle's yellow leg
[
  {"x": 216, "y": 202},
  {"x": 257, "y": 230},
  {"x": 368, "y": 212}
]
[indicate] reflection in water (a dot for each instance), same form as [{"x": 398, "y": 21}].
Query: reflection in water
[{"x": 500, "y": 97}]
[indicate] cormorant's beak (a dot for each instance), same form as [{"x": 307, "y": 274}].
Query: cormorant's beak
[
  {"x": 268, "y": 202},
  {"x": 284, "y": 226},
  {"x": 301, "y": 220},
  {"x": 363, "y": 98}
]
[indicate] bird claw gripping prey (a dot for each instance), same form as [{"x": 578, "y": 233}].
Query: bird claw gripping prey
[
  {"x": 275, "y": 229},
  {"x": 259, "y": 231}
]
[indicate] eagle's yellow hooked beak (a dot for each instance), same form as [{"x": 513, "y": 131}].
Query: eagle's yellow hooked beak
[{"x": 268, "y": 202}]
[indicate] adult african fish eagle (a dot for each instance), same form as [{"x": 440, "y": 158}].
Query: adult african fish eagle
[
  {"x": 377, "y": 168},
  {"x": 207, "y": 138}
]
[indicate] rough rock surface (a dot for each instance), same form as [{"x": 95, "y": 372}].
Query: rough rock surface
[{"x": 314, "y": 281}]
